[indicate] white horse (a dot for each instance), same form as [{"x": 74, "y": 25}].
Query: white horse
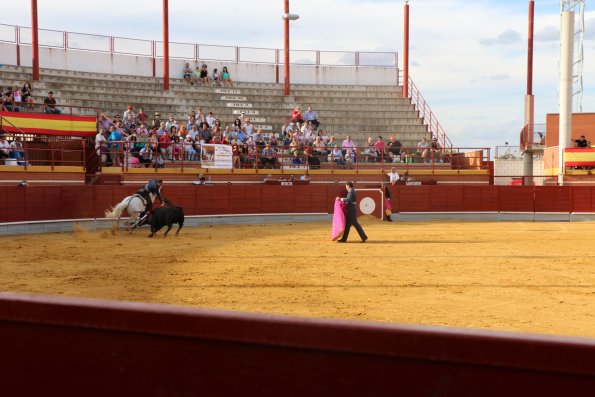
[{"x": 133, "y": 205}]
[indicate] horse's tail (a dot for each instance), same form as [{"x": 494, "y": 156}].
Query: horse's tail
[{"x": 116, "y": 212}]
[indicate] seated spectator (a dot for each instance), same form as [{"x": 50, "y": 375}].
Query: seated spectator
[
  {"x": 133, "y": 160},
  {"x": 189, "y": 150},
  {"x": 187, "y": 73},
  {"x": 582, "y": 142},
  {"x": 268, "y": 156},
  {"x": 4, "y": 147},
  {"x": 337, "y": 156},
  {"x": 27, "y": 96},
  {"x": 273, "y": 140},
  {"x": 129, "y": 112},
  {"x": 393, "y": 149},
  {"x": 9, "y": 102},
  {"x": 297, "y": 117},
  {"x": 379, "y": 148},
  {"x": 319, "y": 147},
  {"x": 17, "y": 151},
  {"x": 296, "y": 160},
  {"x": 423, "y": 149},
  {"x": 49, "y": 104},
  {"x": 204, "y": 75},
  {"x": 211, "y": 120},
  {"x": 350, "y": 156},
  {"x": 196, "y": 76},
  {"x": 216, "y": 77},
  {"x": 286, "y": 129},
  {"x": 393, "y": 176},
  {"x": 370, "y": 151},
  {"x": 156, "y": 122},
  {"x": 130, "y": 122},
  {"x": 225, "y": 77},
  {"x": 141, "y": 116},
  {"x": 312, "y": 117},
  {"x": 436, "y": 150},
  {"x": 347, "y": 144}
]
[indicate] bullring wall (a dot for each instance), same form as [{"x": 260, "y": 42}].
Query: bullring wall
[{"x": 19, "y": 204}]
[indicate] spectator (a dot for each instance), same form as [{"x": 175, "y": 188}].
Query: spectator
[
  {"x": 337, "y": 156},
  {"x": 423, "y": 149},
  {"x": 156, "y": 122},
  {"x": 187, "y": 73},
  {"x": 165, "y": 145},
  {"x": 379, "y": 148},
  {"x": 312, "y": 117},
  {"x": 17, "y": 151},
  {"x": 436, "y": 150},
  {"x": 216, "y": 77},
  {"x": 394, "y": 149},
  {"x": 49, "y": 104},
  {"x": 370, "y": 151},
  {"x": 243, "y": 118},
  {"x": 248, "y": 127},
  {"x": 115, "y": 145},
  {"x": 582, "y": 142},
  {"x": 9, "y": 102},
  {"x": 350, "y": 156},
  {"x": 27, "y": 96},
  {"x": 205, "y": 133},
  {"x": 196, "y": 76},
  {"x": 141, "y": 116},
  {"x": 286, "y": 129},
  {"x": 129, "y": 112},
  {"x": 296, "y": 160},
  {"x": 4, "y": 147},
  {"x": 297, "y": 117},
  {"x": 16, "y": 95},
  {"x": 319, "y": 147},
  {"x": 211, "y": 120},
  {"x": 347, "y": 144},
  {"x": 101, "y": 146},
  {"x": 237, "y": 125},
  {"x": 204, "y": 75},
  {"x": 393, "y": 176},
  {"x": 273, "y": 140},
  {"x": 130, "y": 122},
  {"x": 170, "y": 122},
  {"x": 162, "y": 129},
  {"x": 268, "y": 156},
  {"x": 225, "y": 77}
]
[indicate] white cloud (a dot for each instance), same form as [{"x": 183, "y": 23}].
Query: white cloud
[
  {"x": 547, "y": 34},
  {"x": 507, "y": 37}
]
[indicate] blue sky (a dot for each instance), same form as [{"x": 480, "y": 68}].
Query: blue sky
[{"x": 468, "y": 57}]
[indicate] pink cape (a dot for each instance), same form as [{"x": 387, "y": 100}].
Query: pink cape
[{"x": 338, "y": 220}]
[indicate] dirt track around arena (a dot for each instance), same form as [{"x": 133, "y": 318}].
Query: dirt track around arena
[{"x": 518, "y": 276}]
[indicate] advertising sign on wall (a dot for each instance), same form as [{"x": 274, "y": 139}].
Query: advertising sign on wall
[{"x": 216, "y": 156}]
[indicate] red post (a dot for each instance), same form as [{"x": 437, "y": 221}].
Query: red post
[
  {"x": 406, "y": 52},
  {"x": 165, "y": 46},
  {"x": 34, "y": 41},
  {"x": 286, "y": 91},
  {"x": 530, "y": 48}
]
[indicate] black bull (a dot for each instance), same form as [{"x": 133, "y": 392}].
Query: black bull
[{"x": 167, "y": 216}]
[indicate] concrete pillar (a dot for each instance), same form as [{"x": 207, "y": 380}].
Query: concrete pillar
[
  {"x": 529, "y": 130},
  {"x": 566, "y": 49}
]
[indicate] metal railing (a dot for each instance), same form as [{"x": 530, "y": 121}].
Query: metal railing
[
  {"x": 428, "y": 117},
  {"x": 140, "y": 154},
  {"x": 192, "y": 51},
  {"x": 532, "y": 136}
]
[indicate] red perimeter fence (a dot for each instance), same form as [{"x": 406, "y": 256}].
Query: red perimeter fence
[
  {"x": 71, "y": 202},
  {"x": 66, "y": 346}
]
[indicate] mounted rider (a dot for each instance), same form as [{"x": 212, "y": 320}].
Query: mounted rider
[{"x": 154, "y": 186}]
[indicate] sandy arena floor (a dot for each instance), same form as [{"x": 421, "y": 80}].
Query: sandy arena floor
[{"x": 530, "y": 277}]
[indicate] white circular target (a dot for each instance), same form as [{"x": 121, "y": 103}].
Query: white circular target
[{"x": 367, "y": 205}]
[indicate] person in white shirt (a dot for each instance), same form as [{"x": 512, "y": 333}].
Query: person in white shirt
[
  {"x": 248, "y": 128},
  {"x": 393, "y": 176},
  {"x": 211, "y": 119}
]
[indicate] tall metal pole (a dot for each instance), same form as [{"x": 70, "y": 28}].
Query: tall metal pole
[
  {"x": 529, "y": 104},
  {"x": 34, "y": 41},
  {"x": 566, "y": 63},
  {"x": 165, "y": 45},
  {"x": 530, "y": 48},
  {"x": 286, "y": 90},
  {"x": 406, "y": 52}
]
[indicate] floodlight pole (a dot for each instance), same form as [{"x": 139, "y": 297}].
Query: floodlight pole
[
  {"x": 529, "y": 129},
  {"x": 286, "y": 90},
  {"x": 406, "y": 52},
  {"x": 34, "y": 41},
  {"x": 165, "y": 45}
]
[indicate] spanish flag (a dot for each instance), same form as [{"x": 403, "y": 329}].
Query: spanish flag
[
  {"x": 48, "y": 124},
  {"x": 579, "y": 157}
]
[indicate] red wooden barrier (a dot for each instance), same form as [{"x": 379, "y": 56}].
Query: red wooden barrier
[
  {"x": 66, "y": 346},
  {"x": 70, "y": 202}
]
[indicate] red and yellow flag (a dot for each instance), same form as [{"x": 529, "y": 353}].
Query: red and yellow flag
[{"x": 48, "y": 124}]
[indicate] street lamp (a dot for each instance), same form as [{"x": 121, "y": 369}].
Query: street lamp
[{"x": 286, "y": 18}]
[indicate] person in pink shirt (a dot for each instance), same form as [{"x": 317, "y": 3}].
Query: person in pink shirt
[{"x": 379, "y": 148}]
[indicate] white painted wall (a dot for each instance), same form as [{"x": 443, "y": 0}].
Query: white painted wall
[
  {"x": 505, "y": 169},
  {"x": 100, "y": 62}
]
